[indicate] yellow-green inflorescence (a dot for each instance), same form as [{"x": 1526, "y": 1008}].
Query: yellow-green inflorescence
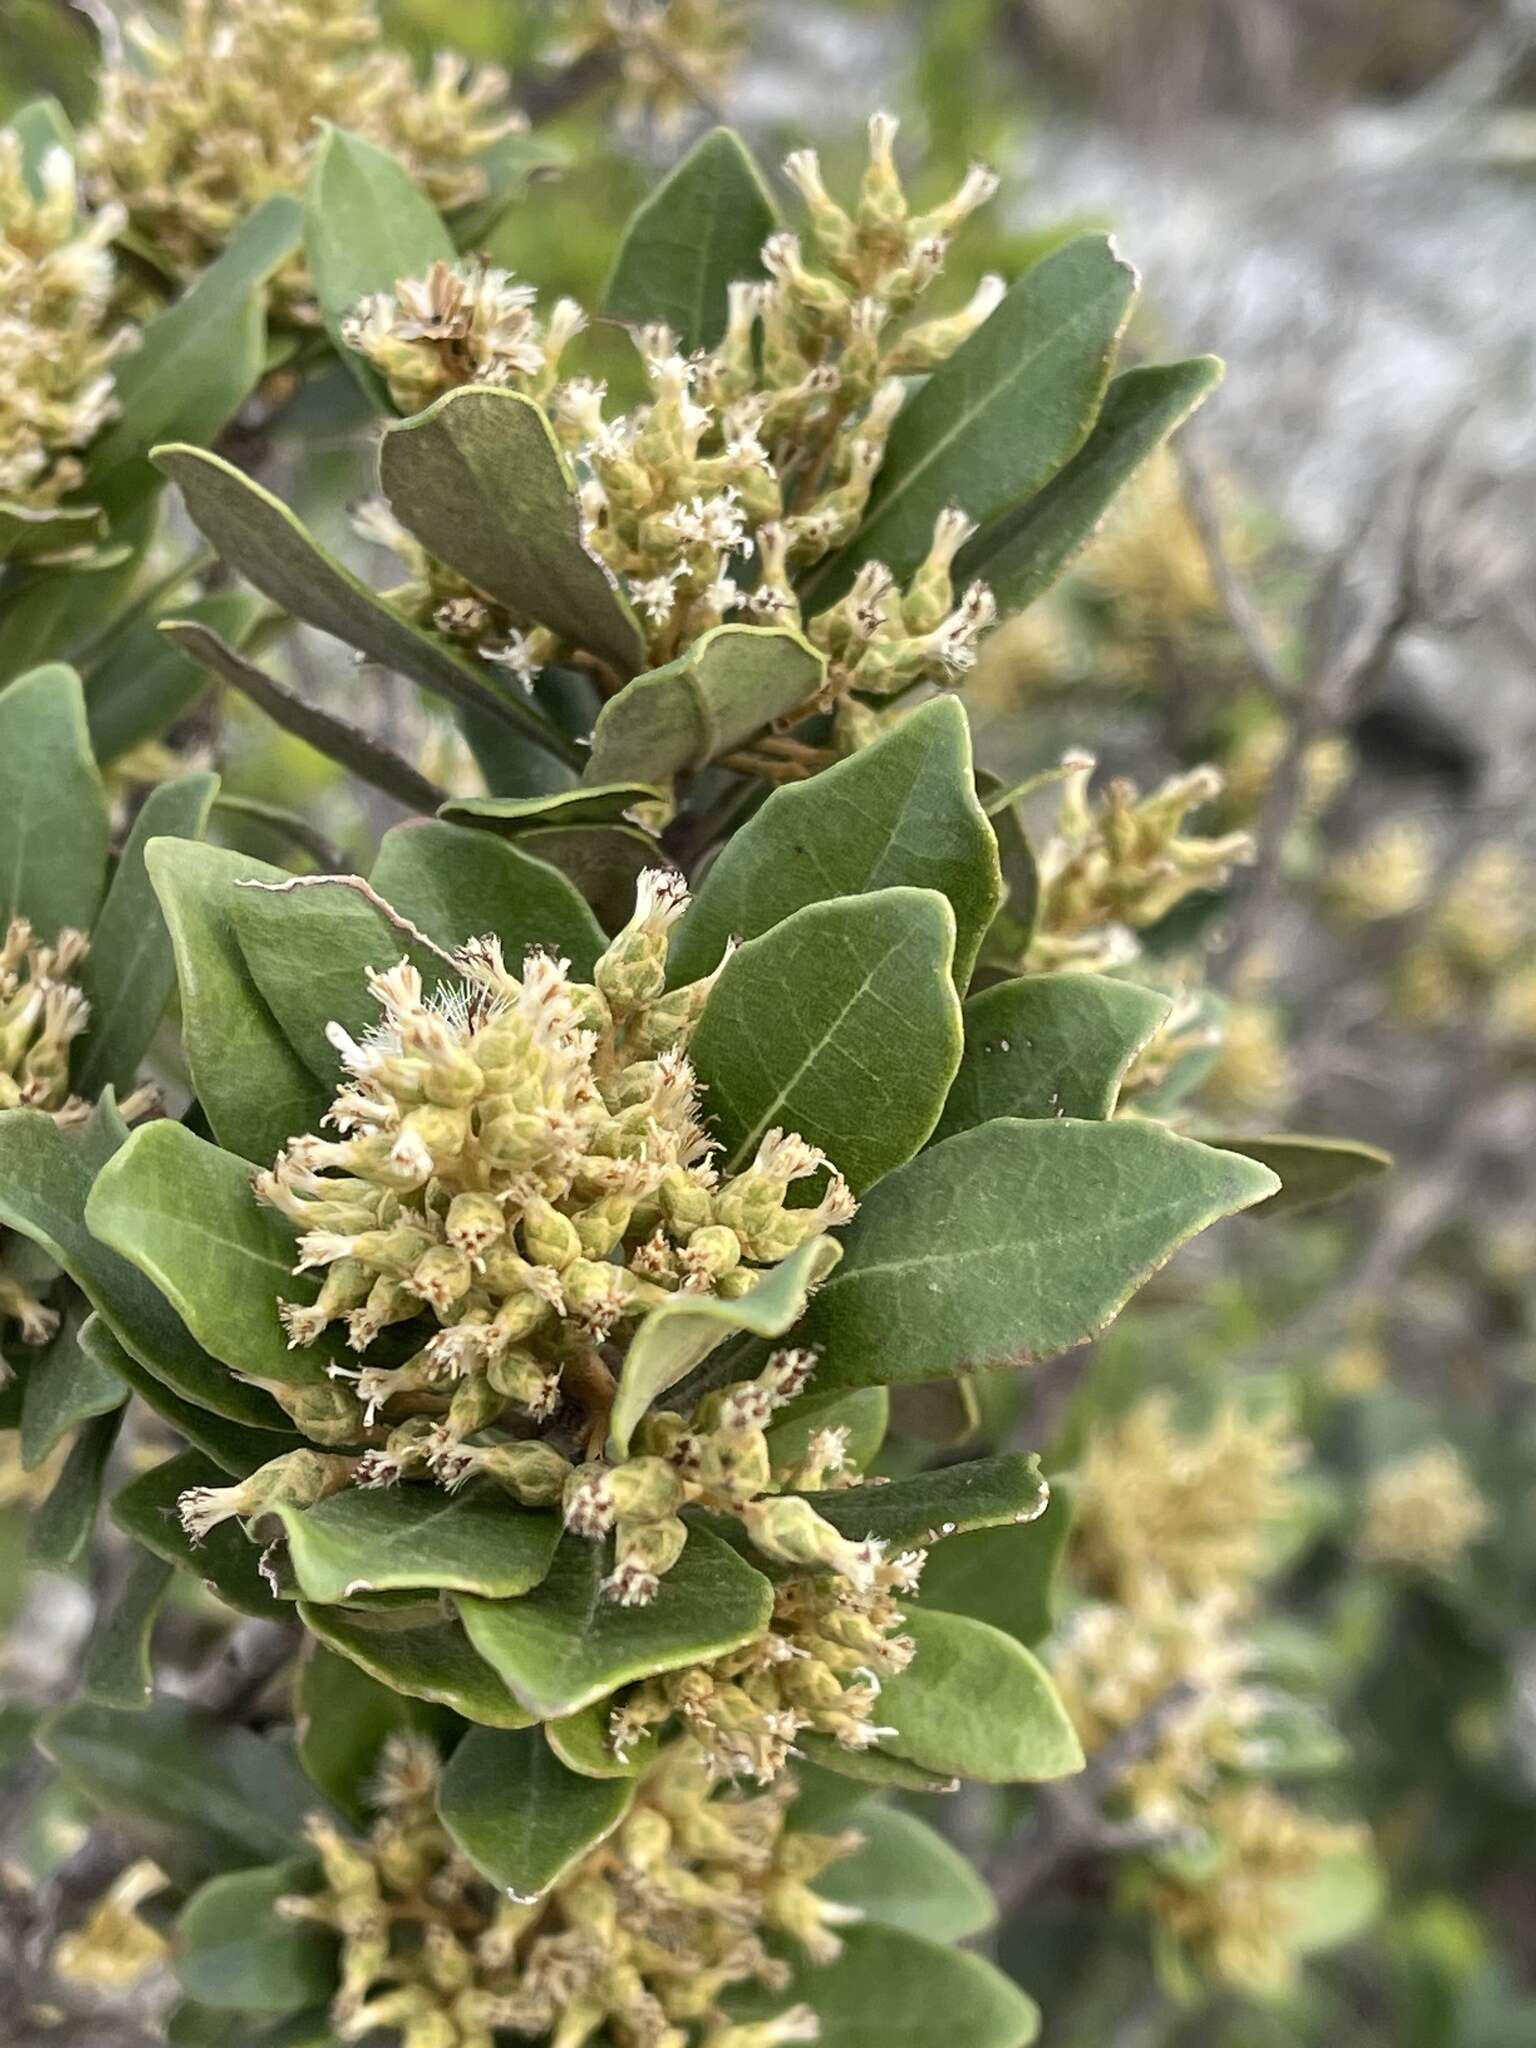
[
  {"x": 637, "y": 1945},
  {"x": 202, "y": 121},
  {"x": 522, "y": 1172},
  {"x": 751, "y": 461},
  {"x": 667, "y": 51},
  {"x": 58, "y": 336},
  {"x": 42, "y": 1012}
]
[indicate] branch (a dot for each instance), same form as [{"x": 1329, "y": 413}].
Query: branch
[
  {"x": 242, "y": 1667},
  {"x": 1235, "y": 598}
]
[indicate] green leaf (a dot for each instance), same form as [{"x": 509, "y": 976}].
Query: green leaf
[
  {"x": 1022, "y": 553},
  {"x": 1005, "y": 1576},
  {"x": 976, "y": 1702},
  {"x": 45, "y": 1180},
  {"x": 61, "y": 614},
  {"x": 198, "y": 360},
  {"x": 519, "y": 1815},
  {"x": 226, "y": 1560},
  {"x": 1013, "y": 1242},
  {"x": 456, "y": 883},
  {"x": 565, "y": 1645},
  {"x": 117, "y": 1670},
  {"x": 1049, "y": 1045},
  {"x": 480, "y": 481},
  {"x": 40, "y": 127},
  {"x": 1313, "y": 1171},
  {"x": 349, "y": 746},
  {"x": 130, "y": 971},
  {"x": 259, "y": 537},
  {"x": 912, "y": 1514},
  {"x": 893, "y": 1989},
  {"x": 236, "y": 1448},
  {"x": 60, "y": 1529},
  {"x": 400, "y": 1538},
  {"x": 185, "y": 1214},
  {"x": 677, "y": 1336},
  {"x": 901, "y": 812},
  {"x": 419, "y": 1652},
  {"x": 1001, "y": 417},
  {"x": 64, "y": 1386},
  {"x": 366, "y": 225},
  {"x": 53, "y": 809},
  {"x": 906, "y": 1875},
  {"x": 196, "y": 1795},
  {"x": 603, "y": 862},
  {"x": 608, "y": 803},
  {"x": 864, "y": 1413},
  {"x": 581, "y": 1743},
  {"x": 144, "y": 682},
  {"x": 52, "y": 536},
  {"x": 873, "y": 1767},
  {"x": 342, "y": 1720},
  {"x": 728, "y": 685},
  {"x": 254, "y": 1089},
  {"x": 699, "y": 232},
  {"x": 841, "y": 1023},
  {"x": 235, "y": 1952},
  {"x": 1335, "y": 1904}
]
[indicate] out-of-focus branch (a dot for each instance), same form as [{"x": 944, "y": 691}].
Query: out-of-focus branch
[
  {"x": 1069, "y": 1821},
  {"x": 245, "y": 1663},
  {"x": 1235, "y": 597}
]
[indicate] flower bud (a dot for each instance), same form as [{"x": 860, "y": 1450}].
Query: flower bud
[
  {"x": 533, "y": 1473},
  {"x": 297, "y": 1479},
  {"x": 442, "y": 1276},
  {"x": 644, "y": 1552},
  {"x": 325, "y": 1411},
  {"x": 549, "y": 1238},
  {"x": 633, "y": 970},
  {"x": 474, "y": 1223},
  {"x": 788, "y": 1528}
]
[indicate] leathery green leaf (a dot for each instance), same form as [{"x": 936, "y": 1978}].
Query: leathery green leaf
[
  {"x": 185, "y": 1214},
  {"x": 59, "y": 1530},
  {"x": 197, "y": 1795},
  {"x": 698, "y": 233},
  {"x": 581, "y": 1743},
  {"x": 912, "y": 1514},
  {"x": 607, "y": 803},
  {"x": 520, "y": 1816},
  {"x": 366, "y": 225},
  {"x": 677, "y": 1336},
  {"x": 480, "y": 480},
  {"x": 1013, "y": 1242},
  {"x": 903, "y": 812},
  {"x": 976, "y": 1702},
  {"x": 1049, "y": 1045},
  {"x": 418, "y": 1651},
  {"x": 400, "y": 1538},
  {"x": 130, "y": 970},
  {"x": 45, "y": 1181},
  {"x": 893, "y": 1989},
  {"x": 1313, "y": 1171},
  {"x": 864, "y": 1413},
  {"x": 255, "y": 1090},
  {"x": 234, "y": 1951},
  {"x": 117, "y": 1670},
  {"x": 841, "y": 1024},
  {"x": 343, "y": 1718},
  {"x": 1002, "y": 416},
  {"x": 225, "y": 1560},
  {"x": 565, "y": 1645},
  {"x": 906, "y": 1875},
  {"x": 1006, "y": 1576},
  {"x": 259, "y": 537},
  {"x": 53, "y": 809},
  {"x": 729, "y": 684},
  {"x": 456, "y": 883},
  {"x": 64, "y": 1386},
  {"x": 875, "y": 1768},
  {"x": 1022, "y": 553},
  {"x": 237, "y": 1448}
]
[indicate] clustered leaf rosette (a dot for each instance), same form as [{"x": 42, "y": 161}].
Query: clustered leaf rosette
[
  {"x": 74, "y": 907},
  {"x": 833, "y": 486}
]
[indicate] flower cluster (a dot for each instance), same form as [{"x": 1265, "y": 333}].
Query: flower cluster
[
  {"x": 1422, "y": 1512},
  {"x": 1476, "y": 949},
  {"x": 203, "y": 123},
  {"x": 750, "y": 462},
  {"x": 1232, "y": 1899},
  {"x": 522, "y": 1172},
  {"x": 42, "y": 1012},
  {"x": 667, "y": 51},
  {"x": 57, "y": 337},
  {"x": 832, "y": 1638},
  {"x": 1173, "y": 1533},
  {"x": 639, "y": 1943},
  {"x": 1122, "y": 862},
  {"x": 1194, "y": 1510}
]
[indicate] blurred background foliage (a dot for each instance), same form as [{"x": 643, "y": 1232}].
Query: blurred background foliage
[{"x": 1339, "y": 201}]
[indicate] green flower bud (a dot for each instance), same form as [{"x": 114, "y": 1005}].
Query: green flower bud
[
  {"x": 297, "y": 1479},
  {"x": 533, "y": 1473},
  {"x": 634, "y": 968},
  {"x": 474, "y": 1223},
  {"x": 788, "y": 1528},
  {"x": 644, "y": 1552},
  {"x": 327, "y": 1411},
  {"x": 685, "y": 1203},
  {"x": 549, "y": 1238},
  {"x": 442, "y": 1276},
  {"x": 602, "y": 1224}
]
